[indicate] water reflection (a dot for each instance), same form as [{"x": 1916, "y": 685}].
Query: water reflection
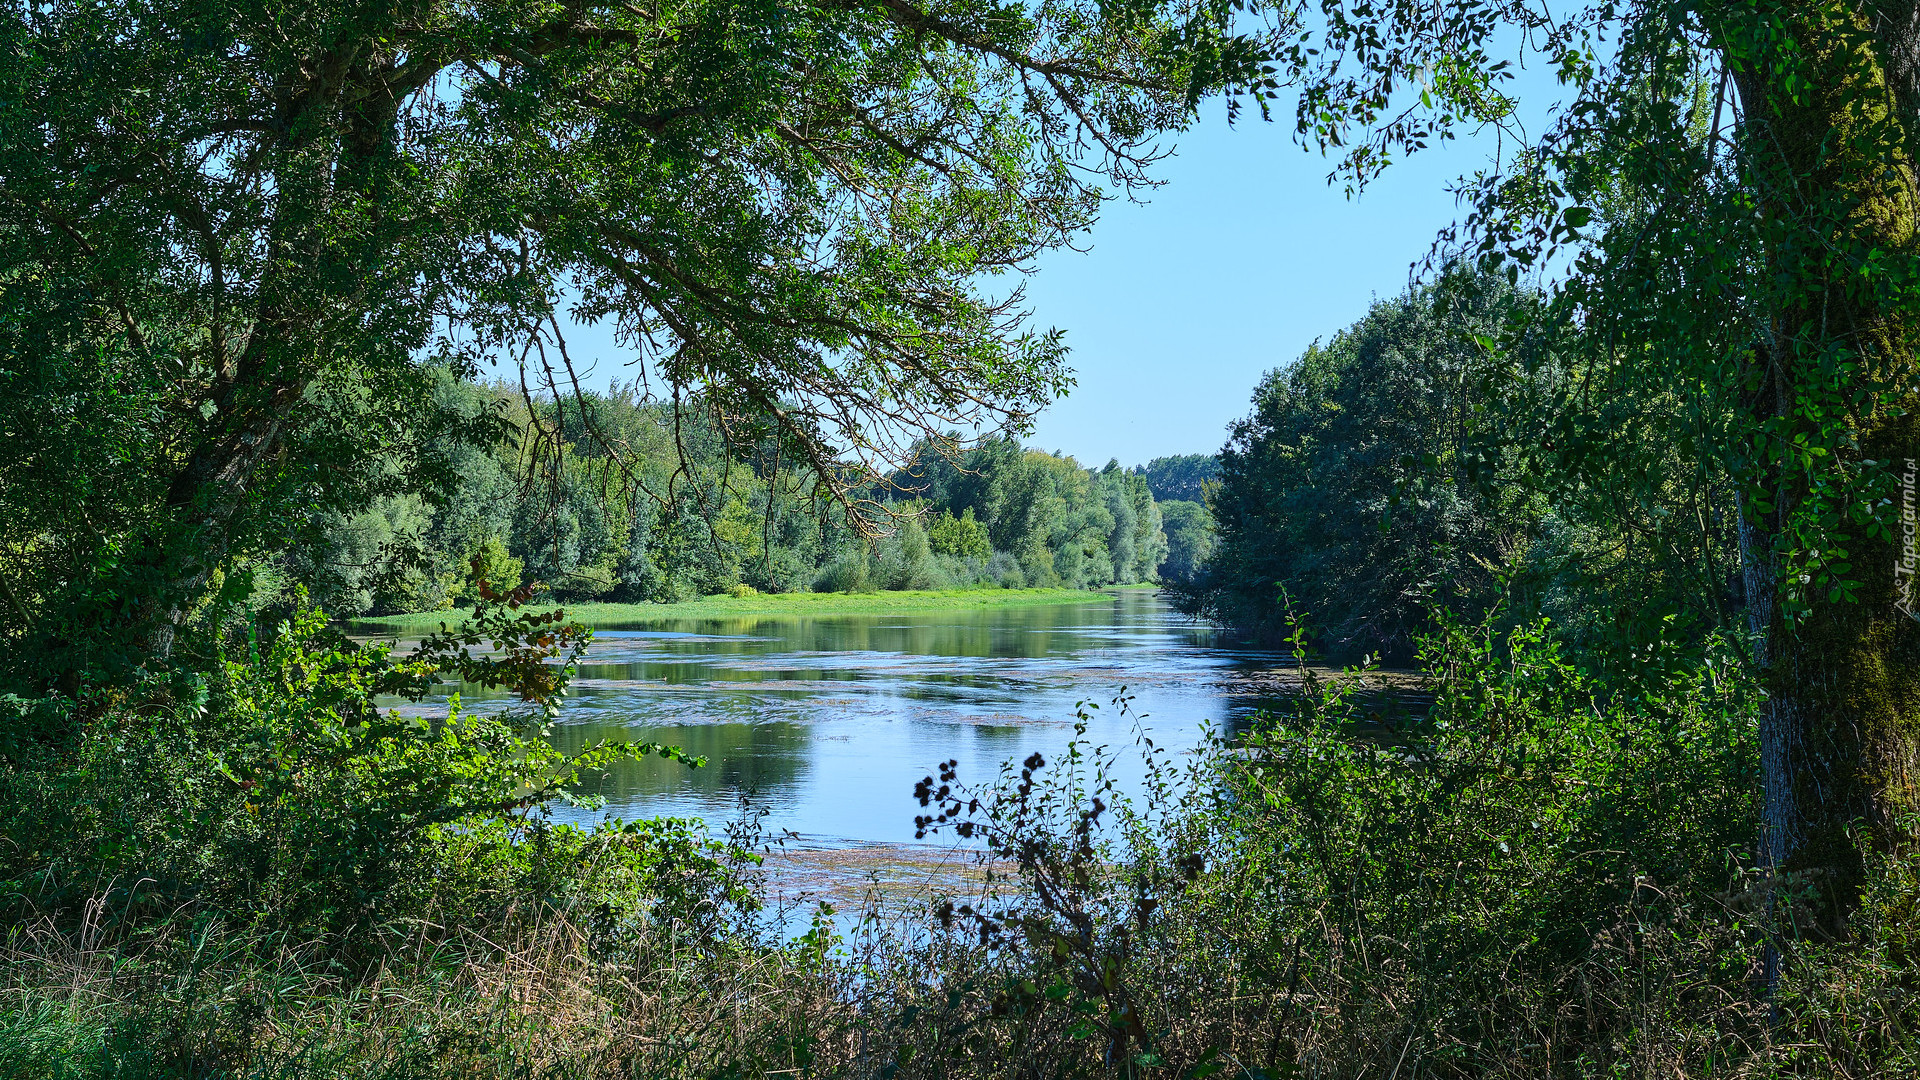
[{"x": 828, "y": 721}]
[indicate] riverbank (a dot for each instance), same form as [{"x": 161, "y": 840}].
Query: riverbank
[{"x": 788, "y": 605}]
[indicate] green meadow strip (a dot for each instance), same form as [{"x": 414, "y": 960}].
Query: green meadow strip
[{"x": 770, "y": 605}]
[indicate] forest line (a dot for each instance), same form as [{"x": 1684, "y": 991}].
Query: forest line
[{"x": 643, "y": 505}]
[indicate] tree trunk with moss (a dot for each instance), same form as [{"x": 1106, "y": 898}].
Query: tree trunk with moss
[{"x": 1829, "y": 108}]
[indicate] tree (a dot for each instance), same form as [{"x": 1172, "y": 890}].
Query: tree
[
  {"x": 1181, "y": 477},
  {"x": 962, "y": 537},
  {"x": 236, "y": 236},
  {"x": 1735, "y": 184},
  {"x": 1367, "y": 480},
  {"x": 1066, "y": 525},
  {"x": 1190, "y": 540}
]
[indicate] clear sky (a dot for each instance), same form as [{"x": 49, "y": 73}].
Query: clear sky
[{"x": 1240, "y": 261}]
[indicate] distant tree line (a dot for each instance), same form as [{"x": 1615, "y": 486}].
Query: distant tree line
[
  {"x": 1058, "y": 523},
  {"x": 1181, "y": 477},
  {"x": 631, "y": 503}
]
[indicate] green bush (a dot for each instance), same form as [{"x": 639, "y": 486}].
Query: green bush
[
  {"x": 1542, "y": 874},
  {"x": 852, "y": 573},
  {"x": 961, "y": 537},
  {"x": 286, "y": 788},
  {"x": 215, "y": 875},
  {"x": 1492, "y": 884}
]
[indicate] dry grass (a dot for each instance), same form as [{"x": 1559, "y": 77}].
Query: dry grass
[
  {"x": 537, "y": 994},
  {"x": 542, "y": 994}
]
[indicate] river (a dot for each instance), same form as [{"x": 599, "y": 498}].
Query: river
[{"x": 826, "y": 722}]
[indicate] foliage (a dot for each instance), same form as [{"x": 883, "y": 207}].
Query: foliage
[
  {"x": 1546, "y": 874},
  {"x": 254, "y": 263},
  {"x": 1491, "y": 851},
  {"x": 239, "y": 243},
  {"x": 1400, "y": 465},
  {"x": 674, "y": 511},
  {"x": 1182, "y": 477},
  {"x": 746, "y": 611},
  {"x": 277, "y": 788},
  {"x": 1714, "y": 177},
  {"x": 961, "y": 537},
  {"x": 1190, "y": 540},
  {"x": 1065, "y": 526},
  {"x": 1725, "y": 198},
  {"x": 1368, "y": 482}
]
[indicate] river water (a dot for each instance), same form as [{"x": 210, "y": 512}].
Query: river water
[{"x": 826, "y": 722}]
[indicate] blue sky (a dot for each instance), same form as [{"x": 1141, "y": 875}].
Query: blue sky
[
  {"x": 1180, "y": 304},
  {"x": 1242, "y": 259}
]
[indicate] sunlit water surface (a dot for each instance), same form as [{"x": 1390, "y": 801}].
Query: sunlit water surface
[{"x": 827, "y": 722}]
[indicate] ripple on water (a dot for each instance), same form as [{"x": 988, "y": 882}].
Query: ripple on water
[{"x": 828, "y": 722}]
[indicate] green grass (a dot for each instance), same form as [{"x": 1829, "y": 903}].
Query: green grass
[{"x": 765, "y": 605}]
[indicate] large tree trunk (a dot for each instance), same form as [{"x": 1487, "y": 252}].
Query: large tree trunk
[
  {"x": 1831, "y": 165},
  {"x": 195, "y": 534},
  {"x": 1840, "y": 728},
  {"x": 326, "y": 161}
]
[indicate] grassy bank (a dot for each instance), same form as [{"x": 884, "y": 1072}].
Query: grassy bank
[{"x": 775, "y": 605}]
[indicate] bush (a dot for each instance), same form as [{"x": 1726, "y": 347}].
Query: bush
[
  {"x": 278, "y": 789},
  {"x": 1006, "y": 571},
  {"x": 848, "y": 574},
  {"x": 905, "y": 560},
  {"x": 1540, "y": 875},
  {"x": 961, "y": 537},
  {"x": 225, "y": 874},
  {"x": 1532, "y": 865}
]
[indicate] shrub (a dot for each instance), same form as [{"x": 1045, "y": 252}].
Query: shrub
[
  {"x": 961, "y": 537},
  {"x": 1539, "y": 875},
  {"x": 233, "y": 874},
  {"x": 848, "y": 574},
  {"x": 1509, "y": 883},
  {"x": 277, "y": 788},
  {"x": 1006, "y": 571}
]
